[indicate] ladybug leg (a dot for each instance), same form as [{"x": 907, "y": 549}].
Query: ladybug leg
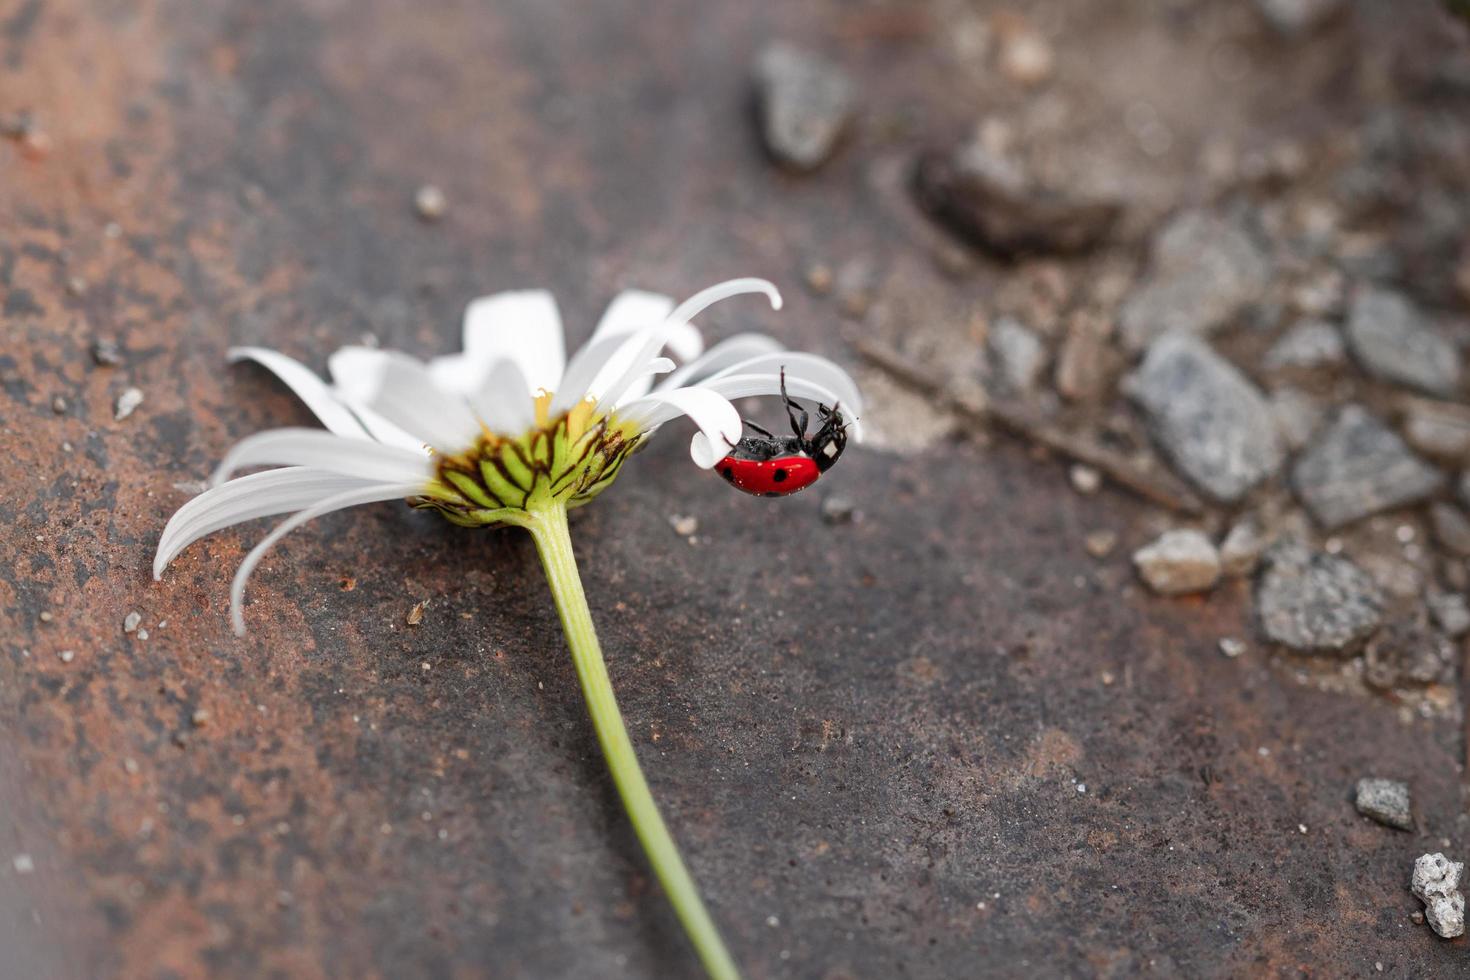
[
  {"x": 757, "y": 428},
  {"x": 794, "y": 412}
]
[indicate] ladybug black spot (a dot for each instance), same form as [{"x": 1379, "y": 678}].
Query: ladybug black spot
[
  {"x": 772, "y": 493},
  {"x": 779, "y": 476},
  {"x": 728, "y": 473}
]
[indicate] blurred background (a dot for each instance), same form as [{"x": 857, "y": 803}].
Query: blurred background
[{"x": 1158, "y": 546}]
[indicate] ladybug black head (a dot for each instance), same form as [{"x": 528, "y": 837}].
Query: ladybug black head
[{"x": 830, "y": 439}]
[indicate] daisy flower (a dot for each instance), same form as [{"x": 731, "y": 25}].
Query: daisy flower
[{"x": 511, "y": 432}]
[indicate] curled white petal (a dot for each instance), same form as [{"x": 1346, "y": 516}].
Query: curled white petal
[
  {"x": 728, "y": 352},
  {"x": 314, "y": 393},
  {"x": 810, "y": 367},
  {"x": 719, "y": 423},
  {"x": 523, "y": 326},
  {"x": 401, "y": 390},
  {"x": 709, "y": 296},
  {"x": 325, "y": 451},
  {"x": 340, "y": 501},
  {"x": 245, "y": 499},
  {"x": 635, "y": 309}
]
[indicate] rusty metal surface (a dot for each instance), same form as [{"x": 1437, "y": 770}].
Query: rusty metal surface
[{"x": 872, "y": 740}]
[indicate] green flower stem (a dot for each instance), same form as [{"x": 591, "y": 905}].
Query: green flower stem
[{"x": 548, "y": 525}]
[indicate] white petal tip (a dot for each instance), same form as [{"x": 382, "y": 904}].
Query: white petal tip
[{"x": 776, "y": 301}]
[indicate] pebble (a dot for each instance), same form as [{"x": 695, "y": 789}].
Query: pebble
[
  {"x": 1312, "y": 601},
  {"x": 1100, "y": 544},
  {"x": 1357, "y": 467},
  {"x": 1026, "y": 57},
  {"x": 1232, "y": 647},
  {"x": 1438, "y": 428},
  {"x": 1309, "y": 344},
  {"x": 1083, "y": 361},
  {"x": 1204, "y": 269},
  {"x": 127, "y": 403},
  {"x": 67, "y": 656},
  {"x": 837, "y": 509},
  {"x": 805, "y": 103},
  {"x": 1436, "y": 883},
  {"x": 1406, "y": 653},
  {"x": 1242, "y": 547},
  {"x": 415, "y": 615},
  {"x": 1298, "y": 416},
  {"x": 1451, "y": 528},
  {"x": 819, "y": 279},
  {"x": 1019, "y": 354},
  {"x": 684, "y": 526},
  {"x": 1085, "y": 479},
  {"x": 200, "y": 717},
  {"x": 1178, "y": 563},
  {"x": 1297, "y": 18},
  {"x": 131, "y": 621},
  {"x": 23, "y": 864},
  {"x": 58, "y": 405},
  {"x": 1385, "y": 800},
  {"x": 106, "y": 353},
  {"x": 991, "y": 201},
  {"x": 1451, "y": 612},
  {"x": 430, "y": 203},
  {"x": 1214, "y": 425},
  {"x": 1394, "y": 342}
]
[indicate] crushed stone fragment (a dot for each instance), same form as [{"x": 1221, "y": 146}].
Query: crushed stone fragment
[
  {"x": 1395, "y": 342},
  {"x": 1179, "y": 562},
  {"x": 1357, "y": 467},
  {"x": 805, "y": 104},
  {"x": 1436, "y": 883},
  {"x": 131, "y": 621},
  {"x": 127, "y": 403},
  {"x": 1312, "y": 601},
  {"x": 1384, "y": 800}
]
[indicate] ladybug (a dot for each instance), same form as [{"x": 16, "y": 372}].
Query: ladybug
[{"x": 766, "y": 465}]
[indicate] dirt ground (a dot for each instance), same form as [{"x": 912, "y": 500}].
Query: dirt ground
[{"x": 954, "y": 736}]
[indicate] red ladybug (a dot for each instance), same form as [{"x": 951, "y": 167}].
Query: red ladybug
[{"x": 767, "y": 465}]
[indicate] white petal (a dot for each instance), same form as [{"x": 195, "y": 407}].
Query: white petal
[
  {"x": 811, "y": 367},
  {"x": 719, "y": 423},
  {"x": 734, "y": 386},
  {"x": 457, "y": 373},
  {"x": 584, "y": 368},
  {"x": 523, "y": 326},
  {"x": 249, "y": 497},
  {"x": 350, "y": 498},
  {"x": 730, "y": 351},
  {"x": 312, "y": 390},
  {"x": 324, "y": 451},
  {"x": 401, "y": 390},
  {"x": 706, "y": 298},
  {"x": 635, "y": 309},
  {"x": 503, "y": 400}
]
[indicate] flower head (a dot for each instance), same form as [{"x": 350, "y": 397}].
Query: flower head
[{"x": 505, "y": 428}]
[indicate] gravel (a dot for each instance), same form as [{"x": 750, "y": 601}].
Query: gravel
[
  {"x": 1315, "y": 602},
  {"x": 1385, "y": 800},
  {"x": 1451, "y": 528},
  {"x": 1241, "y": 549},
  {"x": 430, "y": 202},
  {"x": 1394, "y": 342},
  {"x": 1436, "y": 883},
  {"x": 1214, "y": 425},
  {"x": 1357, "y": 467},
  {"x": 1438, "y": 428},
  {"x": 1309, "y": 344},
  {"x": 1451, "y": 612},
  {"x": 1407, "y": 653},
  {"x": 1298, "y": 416},
  {"x": 127, "y": 403},
  {"x": 1178, "y": 563},
  {"x": 1018, "y": 353},
  {"x": 991, "y": 201},
  {"x": 805, "y": 103},
  {"x": 1204, "y": 270}
]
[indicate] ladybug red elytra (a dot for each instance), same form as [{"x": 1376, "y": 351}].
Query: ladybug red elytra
[{"x": 766, "y": 465}]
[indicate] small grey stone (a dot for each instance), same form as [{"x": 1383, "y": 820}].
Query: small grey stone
[
  {"x": 127, "y": 403},
  {"x": 1309, "y": 344},
  {"x": 1212, "y": 423},
  {"x": 993, "y": 202},
  {"x": 1315, "y": 602},
  {"x": 1232, "y": 646},
  {"x": 1241, "y": 550},
  {"x": 1451, "y": 611},
  {"x": 1357, "y": 467},
  {"x": 1178, "y": 563},
  {"x": 131, "y": 621},
  {"x": 1385, "y": 800},
  {"x": 1406, "y": 653},
  {"x": 1019, "y": 354},
  {"x": 106, "y": 353},
  {"x": 1298, "y": 416},
  {"x": 1438, "y": 428},
  {"x": 805, "y": 103},
  {"x": 1451, "y": 528},
  {"x": 1436, "y": 883},
  {"x": 1394, "y": 342},
  {"x": 1295, "y": 18},
  {"x": 1204, "y": 270},
  {"x": 837, "y": 509}
]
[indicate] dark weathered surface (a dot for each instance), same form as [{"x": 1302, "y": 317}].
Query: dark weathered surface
[{"x": 870, "y": 738}]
